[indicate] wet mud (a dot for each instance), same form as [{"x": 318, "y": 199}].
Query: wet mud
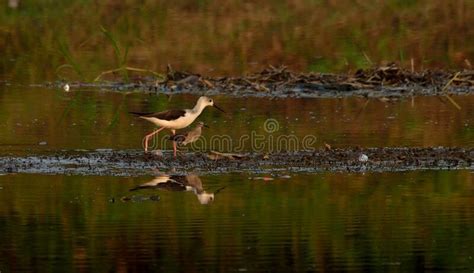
[
  {"x": 136, "y": 163},
  {"x": 388, "y": 81}
]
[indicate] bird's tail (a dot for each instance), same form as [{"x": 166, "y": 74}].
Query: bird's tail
[
  {"x": 138, "y": 188},
  {"x": 139, "y": 113}
]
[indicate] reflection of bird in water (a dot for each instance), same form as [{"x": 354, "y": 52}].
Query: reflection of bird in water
[
  {"x": 189, "y": 136},
  {"x": 188, "y": 182}
]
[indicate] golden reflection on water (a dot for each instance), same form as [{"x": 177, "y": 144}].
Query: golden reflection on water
[{"x": 410, "y": 221}]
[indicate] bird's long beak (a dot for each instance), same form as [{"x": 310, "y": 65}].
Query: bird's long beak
[
  {"x": 218, "y": 108},
  {"x": 219, "y": 189},
  {"x": 205, "y": 126}
]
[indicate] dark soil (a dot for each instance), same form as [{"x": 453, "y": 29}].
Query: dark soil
[
  {"x": 134, "y": 162},
  {"x": 386, "y": 81}
]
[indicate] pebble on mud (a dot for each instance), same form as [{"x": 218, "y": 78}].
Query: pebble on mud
[
  {"x": 157, "y": 152},
  {"x": 42, "y": 143},
  {"x": 363, "y": 158}
]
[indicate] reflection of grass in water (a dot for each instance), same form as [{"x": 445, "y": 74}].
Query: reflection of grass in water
[{"x": 116, "y": 115}]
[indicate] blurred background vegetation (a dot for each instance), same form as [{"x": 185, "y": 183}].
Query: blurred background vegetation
[{"x": 229, "y": 37}]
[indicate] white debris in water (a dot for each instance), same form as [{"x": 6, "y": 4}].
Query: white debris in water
[
  {"x": 66, "y": 87},
  {"x": 363, "y": 158},
  {"x": 103, "y": 150},
  {"x": 42, "y": 143}
]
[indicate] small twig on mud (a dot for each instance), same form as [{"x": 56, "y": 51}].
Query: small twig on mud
[
  {"x": 468, "y": 63},
  {"x": 450, "y": 81}
]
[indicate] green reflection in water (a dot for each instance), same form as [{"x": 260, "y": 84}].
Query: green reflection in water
[{"x": 381, "y": 222}]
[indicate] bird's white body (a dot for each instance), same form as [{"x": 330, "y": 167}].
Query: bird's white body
[
  {"x": 184, "y": 121},
  {"x": 176, "y": 124}
]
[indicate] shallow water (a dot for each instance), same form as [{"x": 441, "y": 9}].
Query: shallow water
[
  {"x": 405, "y": 221},
  {"x": 38, "y": 119},
  {"x": 380, "y": 222}
]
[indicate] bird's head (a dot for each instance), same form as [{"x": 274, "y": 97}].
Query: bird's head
[
  {"x": 205, "y": 198},
  {"x": 201, "y": 124},
  {"x": 206, "y": 101}
]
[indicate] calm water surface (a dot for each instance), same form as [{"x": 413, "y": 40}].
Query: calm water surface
[
  {"x": 384, "y": 222},
  {"x": 412, "y": 221},
  {"x": 89, "y": 120}
]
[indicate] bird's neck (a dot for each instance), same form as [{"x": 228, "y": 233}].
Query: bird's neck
[{"x": 198, "y": 109}]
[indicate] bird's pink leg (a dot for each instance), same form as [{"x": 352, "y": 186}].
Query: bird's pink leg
[
  {"x": 174, "y": 143},
  {"x": 147, "y": 138}
]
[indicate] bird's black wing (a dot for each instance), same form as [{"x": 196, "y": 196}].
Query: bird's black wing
[
  {"x": 165, "y": 115},
  {"x": 181, "y": 179},
  {"x": 170, "y": 185}
]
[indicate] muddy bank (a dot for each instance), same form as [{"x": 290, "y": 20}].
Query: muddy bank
[
  {"x": 134, "y": 162},
  {"x": 389, "y": 81}
]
